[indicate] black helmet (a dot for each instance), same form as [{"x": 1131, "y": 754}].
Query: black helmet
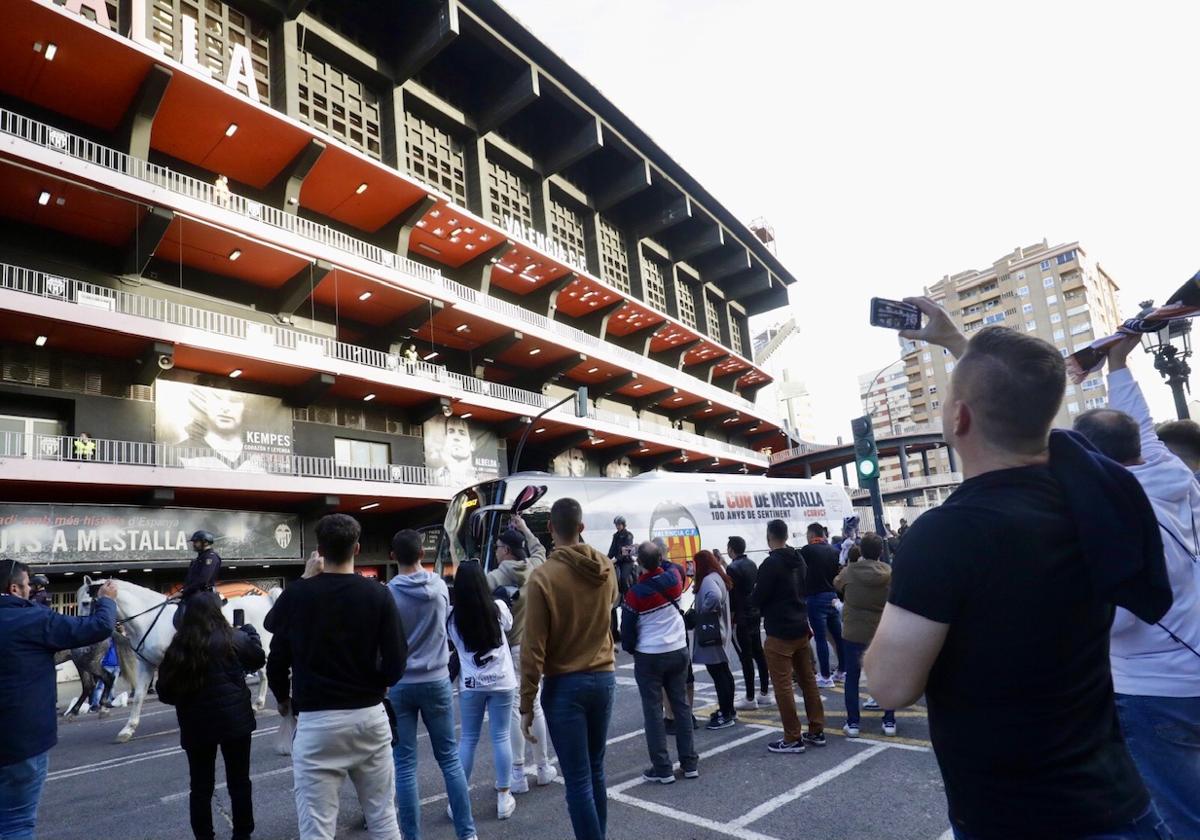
[
  {"x": 39, "y": 580},
  {"x": 202, "y": 536},
  {"x": 619, "y": 520}
]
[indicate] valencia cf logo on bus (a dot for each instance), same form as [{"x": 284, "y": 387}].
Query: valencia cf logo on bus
[
  {"x": 678, "y": 529},
  {"x": 283, "y": 535}
]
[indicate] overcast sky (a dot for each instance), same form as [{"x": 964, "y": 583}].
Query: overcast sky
[{"x": 892, "y": 143}]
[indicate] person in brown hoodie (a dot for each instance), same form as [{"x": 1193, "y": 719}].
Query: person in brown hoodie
[
  {"x": 863, "y": 586},
  {"x": 568, "y": 640}
]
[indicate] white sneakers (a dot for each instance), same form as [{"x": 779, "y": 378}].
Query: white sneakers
[
  {"x": 546, "y": 773},
  {"x": 745, "y": 705},
  {"x": 851, "y": 730},
  {"x": 505, "y": 805},
  {"x": 765, "y": 701},
  {"x": 839, "y": 676},
  {"x": 889, "y": 729},
  {"x": 824, "y": 682},
  {"x": 519, "y": 782}
]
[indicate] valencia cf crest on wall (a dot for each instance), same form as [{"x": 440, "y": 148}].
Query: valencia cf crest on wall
[{"x": 679, "y": 529}]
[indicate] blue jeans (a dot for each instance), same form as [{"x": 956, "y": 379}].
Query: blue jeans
[
  {"x": 853, "y": 666},
  {"x": 20, "y": 790},
  {"x": 499, "y": 712},
  {"x": 434, "y": 701},
  {"x": 1163, "y": 736},
  {"x": 824, "y": 617},
  {"x": 578, "y": 708},
  {"x": 1149, "y": 826},
  {"x": 98, "y": 691}
]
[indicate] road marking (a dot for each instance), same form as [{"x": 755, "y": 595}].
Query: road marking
[
  {"x": 728, "y": 745},
  {"x": 776, "y": 802},
  {"x": 174, "y": 797},
  {"x": 123, "y": 761},
  {"x": 948, "y": 834},
  {"x": 698, "y": 822}
]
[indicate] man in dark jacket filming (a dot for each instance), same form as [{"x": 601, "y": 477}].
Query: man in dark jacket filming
[
  {"x": 779, "y": 596},
  {"x": 32, "y": 635}
]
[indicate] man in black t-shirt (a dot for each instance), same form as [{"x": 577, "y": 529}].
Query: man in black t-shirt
[
  {"x": 338, "y": 644},
  {"x": 822, "y": 564},
  {"x": 995, "y": 617}
]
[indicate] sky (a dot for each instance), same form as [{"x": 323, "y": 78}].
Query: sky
[{"x": 890, "y": 144}]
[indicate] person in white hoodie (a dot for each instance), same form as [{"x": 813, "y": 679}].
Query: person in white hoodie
[
  {"x": 425, "y": 690},
  {"x": 1156, "y": 667}
]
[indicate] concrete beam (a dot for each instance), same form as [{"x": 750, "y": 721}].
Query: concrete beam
[
  {"x": 675, "y": 212},
  {"x": 289, "y": 296},
  {"x": 394, "y": 235},
  {"x": 726, "y": 381},
  {"x": 146, "y": 239},
  {"x": 156, "y": 358},
  {"x": 138, "y": 122},
  {"x": 596, "y": 321},
  {"x": 520, "y": 94},
  {"x": 477, "y": 272},
  {"x": 492, "y": 350},
  {"x": 536, "y": 379},
  {"x": 637, "y": 341},
  {"x": 311, "y": 391},
  {"x": 642, "y": 403},
  {"x": 707, "y": 240},
  {"x": 612, "y": 453},
  {"x": 632, "y": 182},
  {"x": 611, "y": 386},
  {"x": 284, "y": 190},
  {"x": 429, "y": 409},
  {"x": 673, "y": 357},
  {"x": 293, "y": 8},
  {"x": 766, "y": 300},
  {"x": 726, "y": 265},
  {"x": 587, "y": 140},
  {"x": 428, "y": 40},
  {"x": 398, "y": 328},
  {"x": 544, "y": 299},
  {"x": 559, "y": 445},
  {"x": 701, "y": 370},
  {"x": 747, "y": 284}
]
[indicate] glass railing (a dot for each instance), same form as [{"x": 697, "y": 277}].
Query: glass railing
[
  {"x": 314, "y": 347},
  {"x": 67, "y": 143},
  {"x": 161, "y": 455}
]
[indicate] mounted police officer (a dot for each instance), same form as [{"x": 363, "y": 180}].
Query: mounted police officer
[
  {"x": 41, "y": 590},
  {"x": 202, "y": 574}
]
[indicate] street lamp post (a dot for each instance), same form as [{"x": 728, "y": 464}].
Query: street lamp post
[{"x": 1171, "y": 346}]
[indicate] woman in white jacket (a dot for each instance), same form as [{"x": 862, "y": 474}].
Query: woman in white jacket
[{"x": 487, "y": 680}]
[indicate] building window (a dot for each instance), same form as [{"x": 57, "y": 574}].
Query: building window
[
  {"x": 1055, "y": 318},
  {"x": 435, "y": 157},
  {"x": 685, "y": 298},
  {"x": 360, "y": 453},
  {"x": 656, "y": 287},
  {"x": 1065, "y": 258},
  {"x": 935, "y": 404},
  {"x": 929, "y": 372},
  {"x": 566, "y": 228},
  {"x": 1073, "y": 407},
  {"x": 993, "y": 319},
  {"x": 712, "y": 318},
  {"x": 218, "y": 29},
  {"x": 1092, "y": 384},
  {"x": 36, "y": 436},
  {"x": 735, "y": 333},
  {"x": 1095, "y": 402},
  {"x": 614, "y": 259},
  {"x": 1086, "y": 326},
  {"x": 339, "y": 105},
  {"x": 925, "y": 357},
  {"x": 1048, "y": 282},
  {"x": 1051, "y": 300},
  {"x": 1044, "y": 265},
  {"x": 1020, "y": 275},
  {"x": 1063, "y": 351},
  {"x": 510, "y": 195},
  {"x": 1030, "y": 326},
  {"x": 1023, "y": 291},
  {"x": 1027, "y": 308},
  {"x": 949, "y": 367},
  {"x": 1059, "y": 335}
]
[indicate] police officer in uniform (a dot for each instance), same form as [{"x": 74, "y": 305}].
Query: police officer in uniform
[
  {"x": 41, "y": 591},
  {"x": 202, "y": 574}
]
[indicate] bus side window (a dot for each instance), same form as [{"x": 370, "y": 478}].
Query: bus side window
[{"x": 538, "y": 520}]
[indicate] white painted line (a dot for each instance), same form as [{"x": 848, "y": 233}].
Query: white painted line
[
  {"x": 628, "y": 667},
  {"x": 173, "y": 797},
  {"x": 948, "y": 834},
  {"x": 728, "y": 745},
  {"x": 776, "y": 802},
  {"x": 123, "y": 761},
  {"x": 699, "y": 822}
]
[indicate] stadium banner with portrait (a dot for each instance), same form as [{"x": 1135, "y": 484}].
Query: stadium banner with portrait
[
  {"x": 221, "y": 429},
  {"x": 65, "y": 534},
  {"x": 459, "y": 453}
]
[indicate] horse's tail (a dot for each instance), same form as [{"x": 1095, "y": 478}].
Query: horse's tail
[
  {"x": 274, "y": 593},
  {"x": 126, "y": 658}
]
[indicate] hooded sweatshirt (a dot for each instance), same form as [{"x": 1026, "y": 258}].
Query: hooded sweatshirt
[
  {"x": 864, "y": 586},
  {"x": 1145, "y": 659},
  {"x": 568, "y": 617},
  {"x": 516, "y": 573},
  {"x": 423, "y": 602},
  {"x": 779, "y": 594}
]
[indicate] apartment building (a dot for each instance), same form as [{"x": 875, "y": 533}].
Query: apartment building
[{"x": 884, "y": 396}]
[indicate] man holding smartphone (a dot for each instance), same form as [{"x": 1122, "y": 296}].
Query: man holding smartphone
[{"x": 1002, "y": 598}]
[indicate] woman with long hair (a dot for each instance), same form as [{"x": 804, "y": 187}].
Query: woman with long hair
[
  {"x": 203, "y": 675},
  {"x": 487, "y": 680},
  {"x": 711, "y": 639}
]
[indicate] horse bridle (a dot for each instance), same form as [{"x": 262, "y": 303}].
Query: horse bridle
[{"x": 160, "y": 607}]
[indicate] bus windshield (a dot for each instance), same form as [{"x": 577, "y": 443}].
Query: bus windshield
[{"x": 463, "y": 545}]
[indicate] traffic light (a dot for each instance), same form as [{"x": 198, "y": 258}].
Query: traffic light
[{"x": 866, "y": 454}]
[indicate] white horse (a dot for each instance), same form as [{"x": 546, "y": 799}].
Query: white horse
[{"x": 150, "y": 625}]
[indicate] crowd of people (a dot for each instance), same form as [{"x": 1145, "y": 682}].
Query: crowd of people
[{"x": 1048, "y": 612}]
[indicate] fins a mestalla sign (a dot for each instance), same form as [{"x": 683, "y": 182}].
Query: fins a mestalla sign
[{"x": 49, "y": 534}]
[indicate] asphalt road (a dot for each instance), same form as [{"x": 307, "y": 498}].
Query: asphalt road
[{"x": 874, "y": 787}]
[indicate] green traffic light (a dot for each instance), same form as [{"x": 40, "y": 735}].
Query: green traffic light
[{"x": 866, "y": 468}]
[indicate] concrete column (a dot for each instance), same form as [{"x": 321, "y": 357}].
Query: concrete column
[
  {"x": 953, "y": 460},
  {"x": 829, "y": 475},
  {"x": 904, "y": 462},
  {"x": 808, "y": 470},
  {"x": 925, "y": 462},
  {"x": 845, "y": 476}
]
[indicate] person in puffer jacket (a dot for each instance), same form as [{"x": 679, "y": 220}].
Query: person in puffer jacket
[
  {"x": 203, "y": 675},
  {"x": 863, "y": 586}
]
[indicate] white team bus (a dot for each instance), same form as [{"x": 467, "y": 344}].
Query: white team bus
[{"x": 690, "y": 511}]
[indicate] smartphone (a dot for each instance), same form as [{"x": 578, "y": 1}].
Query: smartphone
[
  {"x": 894, "y": 314},
  {"x": 239, "y": 618}
]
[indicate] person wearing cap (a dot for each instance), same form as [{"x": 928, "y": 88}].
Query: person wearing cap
[
  {"x": 620, "y": 552},
  {"x": 518, "y": 553},
  {"x": 41, "y": 590},
  {"x": 202, "y": 574}
]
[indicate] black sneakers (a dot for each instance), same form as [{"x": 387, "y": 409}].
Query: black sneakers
[
  {"x": 782, "y": 746},
  {"x": 663, "y": 777},
  {"x": 718, "y": 721},
  {"x": 817, "y": 740}
]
